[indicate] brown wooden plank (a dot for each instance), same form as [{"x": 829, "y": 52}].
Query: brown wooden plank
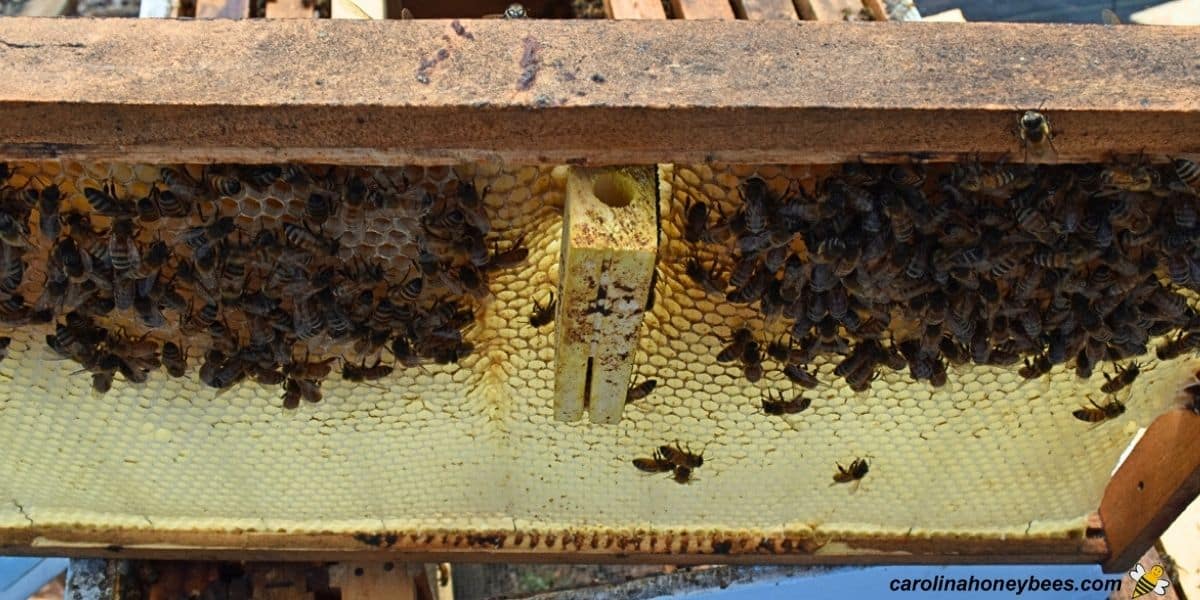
[
  {"x": 827, "y": 10},
  {"x": 1152, "y": 487},
  {"x": 601, "y": 92},
  {"x": 702, "y": 9},
  {"x": 876, "y": 9},
  {"x": 765, "y": 10},
  {"x": 222, "y": 9},
  {"x": 289, "y": 9},
  {"x": 634, "y": 9},
  {"x": 569, "y": 546}
]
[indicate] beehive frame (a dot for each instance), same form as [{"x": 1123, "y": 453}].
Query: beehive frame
[{"x": 1131, "y": 91}]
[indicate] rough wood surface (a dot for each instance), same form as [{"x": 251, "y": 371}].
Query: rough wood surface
[
  {"x": 598, "y": 92},
  {"x": 1152, "y": 487},
  {"x": 634, "y": 9},
  {"x": 765, "y": 10},
  {"x": 702, "y": 9}
]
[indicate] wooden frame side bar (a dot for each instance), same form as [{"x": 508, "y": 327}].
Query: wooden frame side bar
[
  {"x": 576, "y": 546},
  {"x": 1152, "y": 487},
  {"x": 595, "y": 92}
]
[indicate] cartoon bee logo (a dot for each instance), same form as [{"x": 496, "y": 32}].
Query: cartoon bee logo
[{"x": 1147, "y": 581}]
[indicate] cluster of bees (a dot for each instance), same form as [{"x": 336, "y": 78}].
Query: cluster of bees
[
  {"x": 673, "y": 459},
  {"x": 1010, "y": 265},
  {"x": 254, "y": 298}
]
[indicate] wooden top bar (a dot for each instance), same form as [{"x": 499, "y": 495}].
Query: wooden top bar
[{"x": 585, "y": 92}]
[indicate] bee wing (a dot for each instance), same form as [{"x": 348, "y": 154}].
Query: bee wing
[
  {"x": 1138, "y": 572},
  {"x": 1160, "y": 587},
  {"x": 1109, "y": 17}
]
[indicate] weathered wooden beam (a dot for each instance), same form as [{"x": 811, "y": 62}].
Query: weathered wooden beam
[
  {"x": 600, "y": 92},
  {"x": 702, "y": 9},
  {"x": 1157, "y": 481},
  {"x": 634, "y": 9},
  {"x": 765, "y": 10}
]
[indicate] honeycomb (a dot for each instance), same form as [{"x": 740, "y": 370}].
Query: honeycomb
[{"x": 475, "y": 446}]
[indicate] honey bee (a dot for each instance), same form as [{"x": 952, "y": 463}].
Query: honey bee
[
  {"x": 798, "y": 374},
  {"x": 4, "y": 344},
  {"x": 656, "y": 464},
  {"x": 306, "y": 239},
  {"x": 737, "y": 347},
  {"x": 681, "y": 457},
  {"x": 709, "y": 279},
  {"x": 210, "y": 233},
  {"x": 1098, "y": 413},
  {"x": 515, "y": 255},
  {"x": 362, "y": 372},
  {"x": 1033, "y": 129},
  {"x": 222, "y": 185},
  {"x": 857, "y": 470},
  {"x": 641, "y": 390},
  {"x": 403, "y": 351},
  {"x": 779, "y": 406},
  {"x": 174, "y": 359},
  {"x": 752, "y": 366},
  {"x": 695, "y": 220},
  {"x": 122, "y": 249},
  {"x": 1123, "y": 377},
  {"x": 105, "y": 202},
  {"x": 682, "y": 475},
  {"x": 1188, "y": 173},
  {"x": 49, "y": 220},
  {"x": 1183, "y": 342},
  {"x": 13, "y": 231},
  {"x": 291, "y": 394},
  {"x": 319, "y": 207}
]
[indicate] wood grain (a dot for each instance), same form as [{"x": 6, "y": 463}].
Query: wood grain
[
  {"x": 765, "y": 10},
  {"x": 702, "y": 9},
  {"x": 543, "y": 91},
  {"x": 634, "y": 9},
  {"x": 1152, "y": 487}
]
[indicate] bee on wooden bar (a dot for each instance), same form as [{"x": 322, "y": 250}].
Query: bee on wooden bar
[
  {"x": 857, "y": 470},
  {"x": 1123, "y": 377},
  {"x": 641, "y": 390},
  {"x": 543, "y": 315},
  {"x": 1033, "y": 128},
  {"x": 1098, "y": 413},
  {"x": 779, "y": 406}
]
